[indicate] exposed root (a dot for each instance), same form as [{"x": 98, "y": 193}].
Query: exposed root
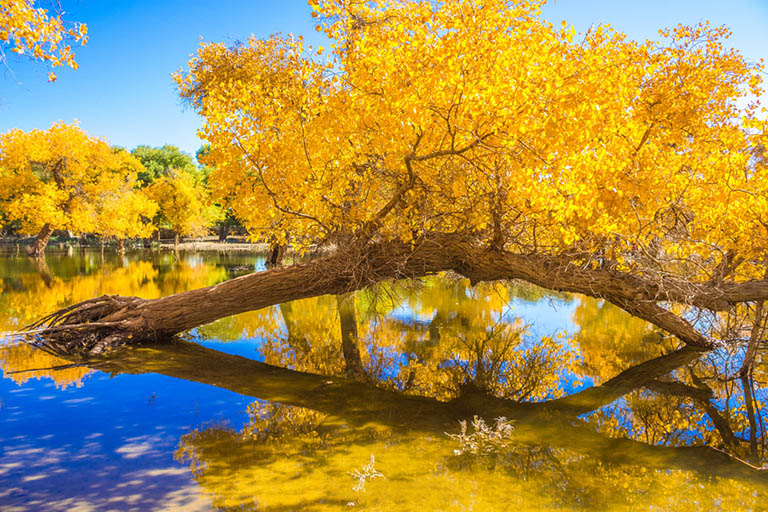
[
  {"x": 79, "y": 329},
  {"x": 84, "y": 312}
]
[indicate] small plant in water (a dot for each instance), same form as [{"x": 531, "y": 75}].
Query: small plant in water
[
  {"x": 484, "y": 440},
  {"x": 368, "y": 472}
]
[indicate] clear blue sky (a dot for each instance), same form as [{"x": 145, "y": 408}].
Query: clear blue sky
[{"x": 123, "y": 90}]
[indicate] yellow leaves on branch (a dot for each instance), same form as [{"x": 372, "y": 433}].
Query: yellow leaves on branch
[
  {"x": 67, "y": 179},
  {"x": 184, "y": 206},
  {"x": 34, "y": 32},
  {"x": 480, "y": 117}
]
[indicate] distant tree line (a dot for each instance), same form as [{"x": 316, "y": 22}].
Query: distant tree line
[{"x": 65, "y": 179}]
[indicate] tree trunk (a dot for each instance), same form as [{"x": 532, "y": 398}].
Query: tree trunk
[
  {"x": 348, "y": 323},
  {"x": 121, "y": 245},
  {"x": 41, "y": 242},
  {"x": 275, "y": 258},
  {"x": 223, "y": 232},
  {"x": 176, "y": 239},
  {"x": 130, "y": 319}
]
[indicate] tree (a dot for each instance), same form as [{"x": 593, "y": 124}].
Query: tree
[
  {"x": 159, "y": 162},
  {"x": 135, "y": 209},
  {"x": 32, "y": 31},
  {"x": 476, "y": 137},
  {"x": 185, "y": 205},
  {"x": 62, "y": 178}
]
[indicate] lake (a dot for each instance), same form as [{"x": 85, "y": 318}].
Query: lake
[{"x": 568, "y": 402}]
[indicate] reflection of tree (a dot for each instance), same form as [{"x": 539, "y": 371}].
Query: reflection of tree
[
  {"x": 470, "y": 338},
  {"x": 39, "y": 288},
  {"x": 695, "y": 405},
  {"x": 39, "y": 293},
  {"x": 611, "y": 340},
  {"x": 21, "y": 362},
  {"x": 297, "y": 458}
]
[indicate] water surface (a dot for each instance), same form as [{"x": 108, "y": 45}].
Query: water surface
[{"x": 252, "y": 412}]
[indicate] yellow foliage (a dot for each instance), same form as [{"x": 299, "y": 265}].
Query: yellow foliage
[
  {"x": 32, "y": 31},
  {"x": 458, "y": 116},
  {"x": 184, "y": 205},
  {"x": 67, "y": 179}
]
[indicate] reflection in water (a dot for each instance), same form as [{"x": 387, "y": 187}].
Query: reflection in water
[{"x": 386, "y": 372}]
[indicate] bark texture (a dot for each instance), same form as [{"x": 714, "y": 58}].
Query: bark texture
[
  {"x": 41, "y": 242},
  {"x": 113, "y": 319}
]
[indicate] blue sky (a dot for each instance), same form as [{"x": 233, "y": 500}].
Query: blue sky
[{"x": 123, "y": 90}]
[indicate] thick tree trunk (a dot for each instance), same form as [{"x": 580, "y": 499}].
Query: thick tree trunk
[
  {"x": 223, "y": 232},
  {"x": 121, "y": 245},
  {"x": 275, "y": 257},
  {"x": 349, "y": 347},
  {"x": 130, "y": 319},
  {"x": 41, "y": 242}
]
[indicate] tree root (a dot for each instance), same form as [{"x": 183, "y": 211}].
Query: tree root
[{"x": 82, "y": 329}]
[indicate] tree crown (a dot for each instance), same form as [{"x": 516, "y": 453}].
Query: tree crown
[{"x": 482, "y": 118}]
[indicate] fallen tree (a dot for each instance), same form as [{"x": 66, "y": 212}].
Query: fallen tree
[{"x": 434, "y": 139}]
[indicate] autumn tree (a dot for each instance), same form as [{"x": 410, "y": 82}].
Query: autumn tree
[
  {"x": 30, "y": 30},
  {"x": 121, "y": 210},
  {"x": 63, "y": 178},
  {"x": 475, "y": 136},
  {"x": 185, "y": 204}
]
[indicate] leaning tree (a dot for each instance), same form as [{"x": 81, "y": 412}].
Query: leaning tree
[{"x": 475, "y": 136}]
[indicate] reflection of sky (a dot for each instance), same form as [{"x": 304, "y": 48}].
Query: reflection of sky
[
  {"x": 106, "y": 445},
  {"x": 545, "y": 317}
]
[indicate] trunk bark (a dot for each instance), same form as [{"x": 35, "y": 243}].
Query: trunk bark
[
  {"x": 275, "y": 258},
  {"x": 348, "y": 321},
  {"x": 41, "y": 242},
  {"x": 356, "y": 266},
  {"x": 223, "y": 232}
]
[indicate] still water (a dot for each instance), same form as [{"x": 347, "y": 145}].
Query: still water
[{"x": 599, "y": 410}]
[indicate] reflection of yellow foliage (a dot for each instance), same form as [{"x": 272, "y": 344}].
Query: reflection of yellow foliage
[
  {"x": 38, "y": 295},
  {"x": 30, "y": 363},
  {"x": 610, "y": 340},
  {"x": 138, "y": 278},
  {"x": 470, "y": 338},
  {"x": 37, "y": 298},
  {"x": 293, "y": 461}
]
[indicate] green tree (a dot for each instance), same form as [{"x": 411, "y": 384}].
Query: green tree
[{"x": 159, "y": 161}]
